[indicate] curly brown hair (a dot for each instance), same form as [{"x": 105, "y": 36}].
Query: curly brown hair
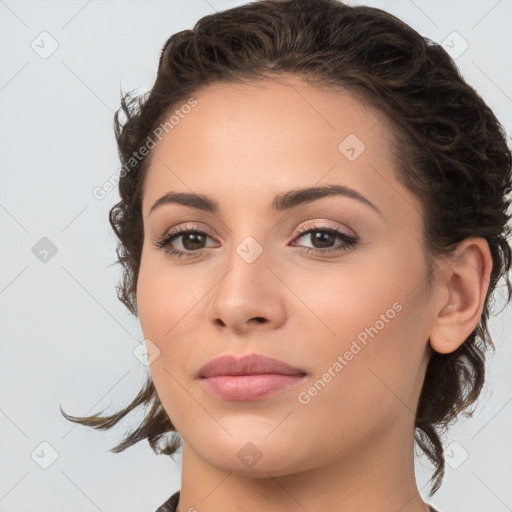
[{"x": 450, "y": 151}]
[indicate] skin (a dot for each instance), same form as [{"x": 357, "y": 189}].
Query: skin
[{"x": 351, "y": 446}]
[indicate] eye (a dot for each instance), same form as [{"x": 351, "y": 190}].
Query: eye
[
  {"x": 324, "y": 237},
  {"x": 193, "y": 240}
]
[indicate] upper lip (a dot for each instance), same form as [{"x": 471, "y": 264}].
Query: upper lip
[{"x": 248, "y": 364}]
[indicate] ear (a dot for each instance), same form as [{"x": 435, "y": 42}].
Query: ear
[{"x": 466, "y": 281}]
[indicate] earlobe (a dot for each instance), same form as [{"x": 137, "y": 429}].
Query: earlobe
[{"x": 467, "y": 282}]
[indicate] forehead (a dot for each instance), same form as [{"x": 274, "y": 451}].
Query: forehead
[{"x": 261, "y": 138}]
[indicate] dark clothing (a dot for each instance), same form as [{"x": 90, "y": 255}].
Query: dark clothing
[{"x": 171, "y": 504}]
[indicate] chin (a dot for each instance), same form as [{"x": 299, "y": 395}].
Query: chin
[{"x": 255, "y": 458}]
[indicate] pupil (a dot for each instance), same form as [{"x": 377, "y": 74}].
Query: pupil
[
  {"x": 192, "y": 236},
  {"x": 321, "y": 237}
]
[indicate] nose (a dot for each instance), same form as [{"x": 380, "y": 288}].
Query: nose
[{"x": 248, "y": 296}]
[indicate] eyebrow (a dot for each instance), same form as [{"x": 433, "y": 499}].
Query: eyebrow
[{"x": 281, "y": 202}]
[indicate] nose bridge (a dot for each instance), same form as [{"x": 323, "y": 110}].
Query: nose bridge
[
  {"x": 247, "y": 263},
  {"x": 248, "y": 240},
  {"x": 250, "y": 249}
]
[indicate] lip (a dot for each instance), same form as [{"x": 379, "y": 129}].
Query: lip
[{"x": 249, "y": 377}]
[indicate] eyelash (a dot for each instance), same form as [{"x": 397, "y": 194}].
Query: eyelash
[{"x": 349, "y": 241}]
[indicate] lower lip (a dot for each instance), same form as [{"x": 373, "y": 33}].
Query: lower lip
[{"x": 249, "y": 387}]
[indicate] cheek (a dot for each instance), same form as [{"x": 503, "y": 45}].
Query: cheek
[
  {"x": 169, "y": 302},
  {"x": 161, "y": 306},
  {"x": 375, "y": 321},
  {"x": 344, "y": 301},
  {"x": 165, "y": 298},
  {"x": 151, "y": 302}
]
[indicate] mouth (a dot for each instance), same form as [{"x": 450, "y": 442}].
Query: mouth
[
  {"x": 247, "y": 378},
  {"x": 246, "y": 388}
]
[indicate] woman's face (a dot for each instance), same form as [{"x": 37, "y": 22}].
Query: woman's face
[{"x": 354, "y": 317}]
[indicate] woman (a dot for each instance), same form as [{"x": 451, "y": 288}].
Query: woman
[{"x": 313, "y": 219}]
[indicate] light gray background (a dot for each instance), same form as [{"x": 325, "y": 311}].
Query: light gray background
[{"x": 66, "y": 339}]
